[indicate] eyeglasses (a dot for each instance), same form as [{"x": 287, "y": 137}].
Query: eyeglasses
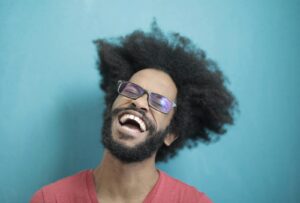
[{"x": 134, "y": 91}]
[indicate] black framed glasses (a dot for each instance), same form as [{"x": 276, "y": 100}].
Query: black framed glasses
[{"x": 134, "y": 91}]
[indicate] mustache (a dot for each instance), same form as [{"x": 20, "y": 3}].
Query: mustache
[{"x": 150, "y": 125}]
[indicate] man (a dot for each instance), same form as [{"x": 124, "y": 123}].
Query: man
[{"x": 162, "y": 94}]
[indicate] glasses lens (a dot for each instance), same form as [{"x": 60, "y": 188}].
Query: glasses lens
[
  {"x": 130, "y": 90},
  {"x": 160, "y": 103}
]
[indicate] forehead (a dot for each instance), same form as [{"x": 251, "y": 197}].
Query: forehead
[{"x": 155, "y": 81}]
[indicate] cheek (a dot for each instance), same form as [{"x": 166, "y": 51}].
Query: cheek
[
  {"x": 162, "y": 120},
  {"x": 120, "y": 101},
  {"x": 116, "y": 103}
]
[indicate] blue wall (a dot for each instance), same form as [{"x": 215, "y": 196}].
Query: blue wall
[{"x": 51, "y": 106}]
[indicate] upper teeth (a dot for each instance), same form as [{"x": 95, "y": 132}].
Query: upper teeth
[{"x": 141, "y": 123}]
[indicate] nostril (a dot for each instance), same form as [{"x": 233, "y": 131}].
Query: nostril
[
  {"x": 142, "y": 107},
  {"x": 145, "y": 109}
]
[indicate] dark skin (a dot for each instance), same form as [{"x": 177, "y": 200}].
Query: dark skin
[{"x": 131, "y": 182}]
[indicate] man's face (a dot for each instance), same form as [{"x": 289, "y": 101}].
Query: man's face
[{"x": 122, "y": 133}]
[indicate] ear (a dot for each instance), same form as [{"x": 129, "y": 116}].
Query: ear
[{"x": 169, "y": 139}]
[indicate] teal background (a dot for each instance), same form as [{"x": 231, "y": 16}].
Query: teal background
[{"x": 51, "y": 106}]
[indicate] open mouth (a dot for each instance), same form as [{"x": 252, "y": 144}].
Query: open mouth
[{"x": 132, "y": 122}]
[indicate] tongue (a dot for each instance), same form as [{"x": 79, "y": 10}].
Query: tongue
[{"x": 132, "y": 126}]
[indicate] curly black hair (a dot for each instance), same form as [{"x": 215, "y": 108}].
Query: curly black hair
[{"x": 204, "y": 104}]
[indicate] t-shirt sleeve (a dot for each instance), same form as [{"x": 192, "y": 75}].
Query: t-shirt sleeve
[
  {"x": 204, "y": 199},
  {"x": 38, "y": 197}
]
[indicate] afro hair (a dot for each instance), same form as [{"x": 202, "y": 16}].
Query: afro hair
[{"x": 204, "y": 104}]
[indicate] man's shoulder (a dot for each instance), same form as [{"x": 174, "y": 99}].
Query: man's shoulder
[
  {"x": 65, "y": 187},
  {"x": 174, "y": 181},
  {"x": 183, "y": 190},
  {"x": 69, "y": 183},
  {"x": 176, "y": 184}
]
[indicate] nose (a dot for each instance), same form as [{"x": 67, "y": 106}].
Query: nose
[{"x": 141, "y": 103}]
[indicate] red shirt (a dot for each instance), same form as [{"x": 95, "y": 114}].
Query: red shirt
[{"x": 80, "y": 188}]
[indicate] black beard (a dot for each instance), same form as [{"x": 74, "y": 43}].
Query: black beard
[{"x": 141, "y": 151}]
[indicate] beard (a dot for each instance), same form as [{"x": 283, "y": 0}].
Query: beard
[{"x": 139, "y": 152}]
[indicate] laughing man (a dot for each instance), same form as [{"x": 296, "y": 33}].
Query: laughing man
[{"x": 162, "y": 94}]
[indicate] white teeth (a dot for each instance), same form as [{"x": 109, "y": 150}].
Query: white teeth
[{"x": 125, "y": 117}]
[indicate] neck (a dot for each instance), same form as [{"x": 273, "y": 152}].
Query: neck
[{"x": 120, "y": 182}]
